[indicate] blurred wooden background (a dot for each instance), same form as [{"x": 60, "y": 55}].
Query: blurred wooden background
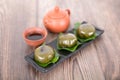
[{"x": 98, "y": 61}]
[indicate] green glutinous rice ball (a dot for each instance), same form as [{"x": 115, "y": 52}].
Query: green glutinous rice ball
[
  {"x": 67, "y": 40},
  {"x": 85, "y": 31},
  {"x": 44, "y": 54}
]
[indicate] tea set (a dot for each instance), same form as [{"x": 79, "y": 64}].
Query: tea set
[{"x": 56, "y": 20}]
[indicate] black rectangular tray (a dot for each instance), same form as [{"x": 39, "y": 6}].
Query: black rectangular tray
[{"x": 63, "y": 54}]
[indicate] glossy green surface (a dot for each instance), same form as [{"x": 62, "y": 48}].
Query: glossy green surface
[
  {"x": 44, "y": 54},
  {"x": 67, "y": 40},
  {"x": 85, "y": 31},
  {"x": 54, "y": 60}
]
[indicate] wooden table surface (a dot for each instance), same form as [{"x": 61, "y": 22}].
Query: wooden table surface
[{"x": 98, "y": 61}]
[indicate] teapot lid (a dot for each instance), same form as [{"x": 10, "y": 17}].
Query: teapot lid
[{"x": 56, "y": 13}]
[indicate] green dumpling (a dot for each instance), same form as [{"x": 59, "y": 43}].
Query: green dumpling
[
  {"x": 85, "y": 31},
  {"x": 67, "y": 40},
  {"x": 44, "y": 54}
]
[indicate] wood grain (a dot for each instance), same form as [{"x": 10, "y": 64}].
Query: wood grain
[
  {"x": 15, "y": 17},
  {"x": 98, "y": 61}
]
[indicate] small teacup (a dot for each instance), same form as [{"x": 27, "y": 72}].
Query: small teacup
[{"x": 35, "y": 36}]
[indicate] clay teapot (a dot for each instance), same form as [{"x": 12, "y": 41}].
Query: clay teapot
[{"x": 57, "y": 20}]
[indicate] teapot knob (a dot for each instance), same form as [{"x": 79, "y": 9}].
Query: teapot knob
[{"x": 56, "y": 9}]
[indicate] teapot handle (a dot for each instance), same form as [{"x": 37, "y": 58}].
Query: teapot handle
[{"x": 68, "y": 11}]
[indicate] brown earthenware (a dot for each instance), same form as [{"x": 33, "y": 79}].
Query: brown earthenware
[
  {"x": 32, "y": 31},
  {"x": 57, "y": 20}
]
